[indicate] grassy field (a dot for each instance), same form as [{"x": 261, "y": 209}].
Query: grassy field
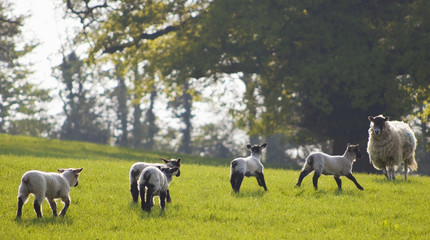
[{"x": 203, "y": 205}]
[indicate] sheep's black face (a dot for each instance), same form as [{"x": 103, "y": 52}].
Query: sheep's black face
[
  {"x": 173, "y": 163},
  {"x": 256, "y": 149},
  {"x": 354, "y": 149},
  {"x": 378, "y": 123}
]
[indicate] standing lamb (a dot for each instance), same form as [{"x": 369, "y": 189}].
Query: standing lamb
[
  {"x": 390, "y": 144},
  {"x": 48, "y": 185},
  {"x": 137, "y": 169},
  {"x": 156, "y": 180},
  {"x": 250, "y": 166},
  {"x": 337, "y": 166}
]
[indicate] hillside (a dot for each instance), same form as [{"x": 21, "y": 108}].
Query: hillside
[{"x": 203, "y": 206}]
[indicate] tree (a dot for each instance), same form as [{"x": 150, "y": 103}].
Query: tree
[
  {"x": 83, "y": 121},
  {"x": 19, "y": 111}
]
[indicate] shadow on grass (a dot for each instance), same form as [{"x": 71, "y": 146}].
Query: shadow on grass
[
  {"x": 249, "y": 194},
  {"x": 44, "y": 221},
  {"x": 397, "y": 181}
]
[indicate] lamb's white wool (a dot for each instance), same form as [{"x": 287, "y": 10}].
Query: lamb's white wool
[
  {"x": 137, "y": 168},
  {"x": 390, "y": 144},
  {"x": 156, "y": 180},
  {"x": 326, "y": 164},
  {"x": 250, "y": 166},
  {"x": 48, "y": 185}
]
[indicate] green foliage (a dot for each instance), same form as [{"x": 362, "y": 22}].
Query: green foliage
[
  {"x": 18, "y": 97},
  {"x": 204, "y": 205}
]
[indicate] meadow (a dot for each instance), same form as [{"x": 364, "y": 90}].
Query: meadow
[{"x": 203, "y": 204}]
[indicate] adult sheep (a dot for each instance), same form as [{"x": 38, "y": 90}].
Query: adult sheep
[
  {"x": 390, "y": 144},
  {"x": 137, "y": 169},
  {"x": 156, "y": 180},
  {"x": 337, "y": 166},
  {"x": 48, "y": 185}
]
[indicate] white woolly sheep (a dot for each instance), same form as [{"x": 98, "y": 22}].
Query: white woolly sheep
[
  {"x": 156, "y": 180},
  {"x": 390, "y": 144},
  {"x": 250, "y": 166},
  {"x": 48, "y": 185},
  {"x": 137, "y": 169},
  {"x": 326, "y": 164}
]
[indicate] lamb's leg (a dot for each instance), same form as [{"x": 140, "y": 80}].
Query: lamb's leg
[
  {"x": 406, "y": 171},
  {"x": 259, "y": 182},
  {"x": 317, "y": 174},
  {"x": 392, "y": 173},
  {"x": 21, "y": 201},
  {"x": 162, "y": 200},
  {"x": 339, "y": 182},
  {"x": 233, "y": 180},
  {"x": 37, "y": 207},
  {"x": 134, "y": 191},
  {"x": 303, "y": 174},
  {"x": 66, "y": 201},
  {"x": 168, "y": 199},
  {"x": 53, "y": 206},
  {"x": 260, "y": 175},
  {"x": 386, "y": 172},
  {"x": 142, "y": 196},
  {"x": 238, "y": 182},
  {"x": 352, "y": 178},
  {"x": 149, "y": 198}
]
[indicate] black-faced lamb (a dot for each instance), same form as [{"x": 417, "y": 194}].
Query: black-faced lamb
[
  {"x": 390, "y": 144},
  {"x": 337, "y": 166},
  {"x": 137, "y": 169},
  {"x": 250, "y": 167},
  {"x": 48, "y": 185},
  {"x": 156, "y": 180}
]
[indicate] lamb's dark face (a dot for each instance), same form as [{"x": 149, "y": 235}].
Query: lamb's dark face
[
  {"x": 173, "y": 163},
  {"x": 354, "y": 149},
  {"x": 169, "y": 171},
  {"x": 256, "y": 149},
  {"x": 378, "y": 124}
]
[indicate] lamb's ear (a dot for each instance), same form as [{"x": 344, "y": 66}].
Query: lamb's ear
[
  {"x": 159, "y": 167},
  {"x": 179, "y": 160},
  {"x": 371, "y": 118},
  {"x": 61, "y": 170},
  {"x": 77, "y": 170},
  {"x": 387, "y": 118},
  {"x": 248, "y": 146},
  {"x": 348, "y": 145},
  {"x": 164, "y": 160},
  {"x": 264, "y": 145}
]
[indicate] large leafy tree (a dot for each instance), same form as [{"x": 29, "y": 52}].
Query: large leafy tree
[{"x": 18, "y": 97}]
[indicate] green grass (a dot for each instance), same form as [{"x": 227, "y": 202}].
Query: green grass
[{"x": 204, "y": 206}]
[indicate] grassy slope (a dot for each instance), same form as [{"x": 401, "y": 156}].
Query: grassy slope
[{"x": 203, "y": 205}]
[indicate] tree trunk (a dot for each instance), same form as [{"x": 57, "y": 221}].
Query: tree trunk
[
  {"x": 186, "y": 116},
  {"x": 151, "y": 127},
  {"x": 122, "y": 111}
]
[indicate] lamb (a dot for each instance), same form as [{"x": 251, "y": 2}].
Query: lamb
[
  {"x": 156, "y": 180},
  {"x": 249, "y": 166},
  {"x": 48, "y": 185},
  {"x": 391, "y": 143},
  {"x": 137, "y": 169},
  {"x": 337, "y": 166}
]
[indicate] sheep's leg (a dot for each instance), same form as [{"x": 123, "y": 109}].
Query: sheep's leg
[
  {"x": 233, "y": 180},
  {"x": 168, "y": 199},
  {"x": 21, "y": 201},
  {"x": 236, "y": 181},
  {"x": 37, "y": 207},
  {"x": 142, "y": 197},
  {"x": 263, "y": 183},
  {"x": 53, "y": 206},
  {"x": 339, "y": 182},
  {"x": 352, "y": 178},
  {"x": 406, "y": 171},
  {"x": 149, "y": 199},
  {"x": 315, "y": 179},
  {"x": 392, "y": 173},
  {"x": 66, "y": 201},
  {"x": 162, "y": 200},
  {"x": 259, "y": 182},
  {"x": 134, "y": 191},
  {"x": 386, "y": 173},
  {"x": 303, "y": 174}
]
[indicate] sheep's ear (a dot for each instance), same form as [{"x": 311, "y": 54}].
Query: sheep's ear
[
  {"x": 387, "y": 118},
  {"x": 371, "y": 118},
  {"x": 264, "y": 145},
  {"x": 159, "y": 167},
  {"x": 179, "y": 160},
  {"x": 78, "y": 170},
  {"x": 60, "y": 170},
  {"x": 248, "y": 146},
  {"x": 164, "y": 160}
]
